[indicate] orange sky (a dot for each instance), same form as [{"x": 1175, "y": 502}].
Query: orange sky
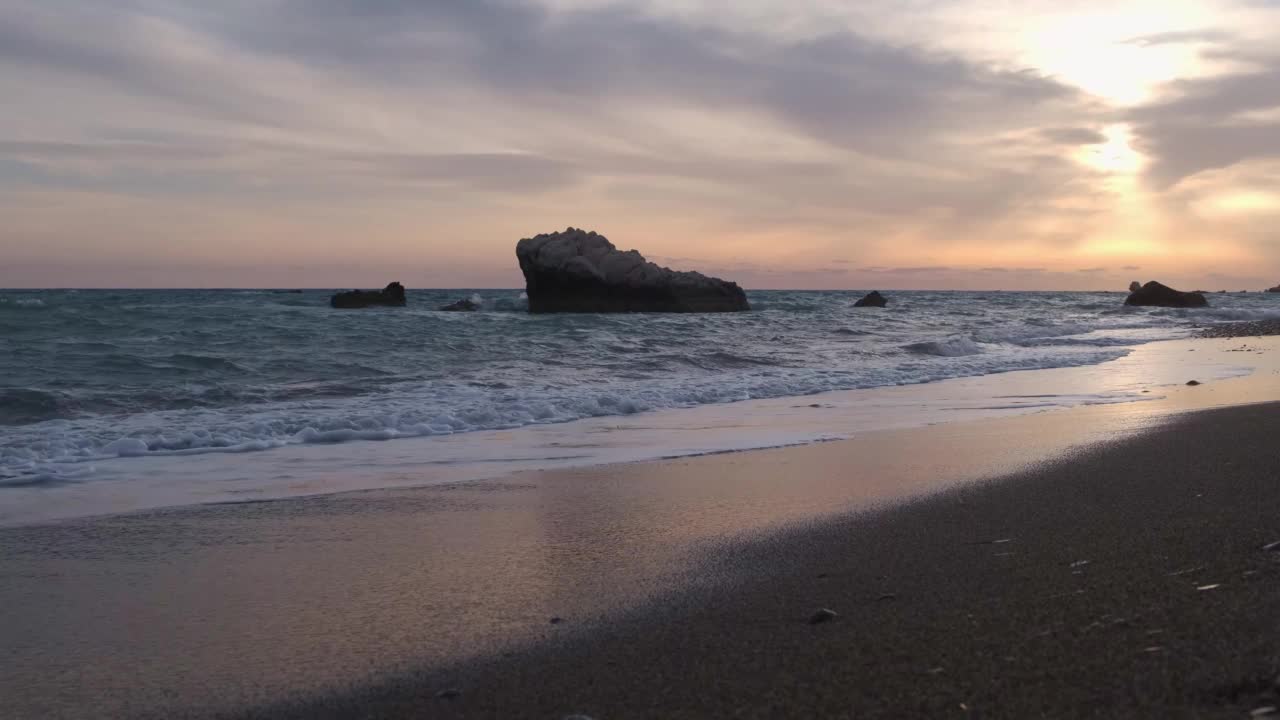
[{"x": 807, "y": 144}]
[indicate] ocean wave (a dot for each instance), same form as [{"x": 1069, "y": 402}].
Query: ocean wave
[
  {"x": 203, "y": 362},
  {"x": 455, "y": 408},
  {"x": 22, "y": 302},
  {"x": 101, "y": 375},
  {"x": 20, "y": 406},
  {"x": 950, "y": 347}
]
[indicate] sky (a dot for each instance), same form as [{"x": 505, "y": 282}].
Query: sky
[{"x": 949, "y": 144}]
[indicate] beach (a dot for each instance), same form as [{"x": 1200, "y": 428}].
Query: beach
[
  {"x": 1104, "y": 559},
  {"x": 613, "y": 359}
]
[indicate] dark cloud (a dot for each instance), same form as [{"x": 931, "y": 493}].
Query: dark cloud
[
  {"x": 1210, "y": 123},
  {"x": 109, "y": 160},
  {"x": 1130, "y": 268},
  {"x": 841, "y": 88},
  {"x": 923, "y": 270},
  {"x": 1073, "y": 136},
  {"x": 1092, "y": 270}
]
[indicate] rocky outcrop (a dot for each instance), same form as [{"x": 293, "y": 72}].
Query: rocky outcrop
[
  {"x": 463, "y": 305},
  {"x": 580, "y": 271},
  {"x": 1157, "y": 295},
  {"x": 1275, "y": 289},
  {"x": 872, "y": 299},
  {"x": 392, "y": 295},
  {"x": 1135, "y": 286}
]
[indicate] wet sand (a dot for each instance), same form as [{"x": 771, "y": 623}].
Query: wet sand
[{"x": 1044, "y": 565}]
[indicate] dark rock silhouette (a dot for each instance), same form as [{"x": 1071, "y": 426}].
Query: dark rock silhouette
[
  {"x": 392, "y": 295},
  {"x": 463, "y": 305},
  {"x": 1157, "y": 295},
  {"x": 1275, "y": 289},
  {"x": 872, "y": 299},
  {"x": 580, "y": 271},
  {"x": 1135, "y": 286}
]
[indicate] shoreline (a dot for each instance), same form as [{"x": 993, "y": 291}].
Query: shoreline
[
  {"x": 221, "y": 608},
  {"x": 125, "y": 485}
]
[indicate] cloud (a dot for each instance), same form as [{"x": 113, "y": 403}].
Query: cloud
[
  {"x": 1215, "y": 121},
  {"x": 423, "y": 120},
  {"x": 1130, "y": 268},
  {"x": 607, "y": 90},
  {"x": 1183, "y": 37},
  {"x": 906, "y": 270},
  {"x": 1092, "y": 270},
  {"x": 1073, "y": 136}
]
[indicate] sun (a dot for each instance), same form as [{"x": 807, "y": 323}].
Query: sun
[{"x": 1101, "y": 52}]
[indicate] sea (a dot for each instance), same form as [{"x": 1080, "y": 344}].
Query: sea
[{"x": 96, "y": 383}]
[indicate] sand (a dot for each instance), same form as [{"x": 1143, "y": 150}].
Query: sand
[
  {"x": 1103, "y": 561},
  {"x": 1126, "y": 581}
]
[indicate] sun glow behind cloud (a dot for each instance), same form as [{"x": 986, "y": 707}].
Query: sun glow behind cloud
[{"x": 1102, "y": 50}]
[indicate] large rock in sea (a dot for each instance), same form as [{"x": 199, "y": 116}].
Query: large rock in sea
[
  {"x": 392, "y": 295},
  {"x": 580, "y": 271},
  {"x": 1275, "y": 289},
  {"x": 872, "y": 299},
  {"x": 1155, "y": 294}
]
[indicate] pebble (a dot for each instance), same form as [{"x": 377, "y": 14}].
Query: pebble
[
  {"x": 556, "y": 620},
  {"x": 821, "y": 616},
  {"x": 1193, "y": 382}
]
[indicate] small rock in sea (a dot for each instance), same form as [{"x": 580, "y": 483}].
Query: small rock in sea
[
  {"x": 815, "y": 405},
  {"x": 1193, "y": 383},
  {"x": 821, "y": 616},
  {"x": 392, "y": 296},
  {"x": 872, "y": 299},
  {"x": 463, "y": 305},
  {"x": 448, "y": 694}
]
